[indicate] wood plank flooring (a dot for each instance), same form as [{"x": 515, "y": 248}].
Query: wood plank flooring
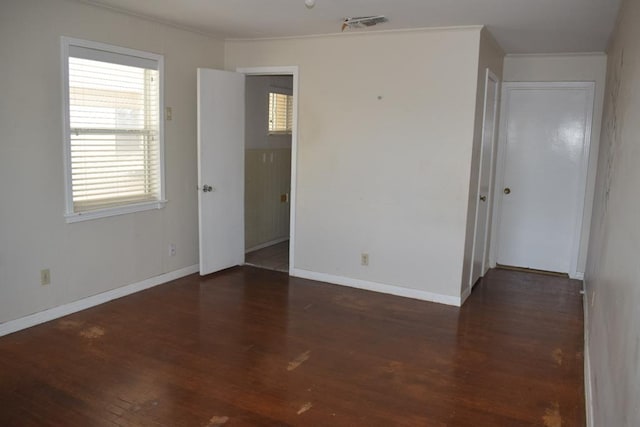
[
  {"x": 274, "y": 257},
  {"x": 252, "y": 347}
]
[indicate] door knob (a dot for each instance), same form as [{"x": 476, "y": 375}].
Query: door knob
[
  {"x": 483, "y": 198},
  {"x": 507, "y": 190},
  {"x": 207, "y": 188}
]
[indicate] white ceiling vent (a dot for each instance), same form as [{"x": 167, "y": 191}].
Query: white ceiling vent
[{"x": 363, "y": 22}]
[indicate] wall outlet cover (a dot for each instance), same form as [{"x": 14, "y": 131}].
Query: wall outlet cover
[{"x": 45, "y": 277}]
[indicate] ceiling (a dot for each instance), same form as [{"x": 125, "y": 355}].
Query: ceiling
[{"x": 520, "y": 26}]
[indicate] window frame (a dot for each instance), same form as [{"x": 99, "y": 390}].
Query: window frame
[
  {"x": 71, "y": 215},
  {"x": 280, "y": 91}
]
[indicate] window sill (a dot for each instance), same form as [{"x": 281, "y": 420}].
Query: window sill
[{"x": 120, "y": 210}]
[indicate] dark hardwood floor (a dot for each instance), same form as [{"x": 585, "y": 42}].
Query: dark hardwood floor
[
  {"x": 274, "y": 257},
  {"x": 252, "y": 347}
]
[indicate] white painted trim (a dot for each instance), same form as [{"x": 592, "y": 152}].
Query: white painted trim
[
  {"x": 118, "y": 210},
  {"x": 370, "y": 31},
  {"x": 588, "y": 385},
  {"x": 555, "y": 55},
  {"x": 585, "y": 168},
  {"x": 578, "y": 275},
  {"x": 377, "y": 287},
  {"x": 70, "y": 215},
  {"x": 92, "y": 301},
  {"x": 266, "y": 245},
  {"x": 292, "y": 71},
  {"x": 590, "y": 87},
  {"x": 66, "y": 126},
  {"x": 220, "y": 37}
]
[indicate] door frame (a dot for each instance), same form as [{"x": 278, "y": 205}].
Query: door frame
[
  {"x": 489, "y": 75},
  {"x": 292, "y": 71},
  {"x": 585, "y": 168}
]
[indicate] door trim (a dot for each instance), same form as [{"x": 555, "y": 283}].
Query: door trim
[
  {"x": 585, "y": 167},
  {"x": 292, "y": 71}
]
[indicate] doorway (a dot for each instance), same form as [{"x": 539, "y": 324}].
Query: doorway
[
  {"x": 221, "y": 164},
  {"x": 541, "y": 185},
  {"x": 268, "y": 146}
]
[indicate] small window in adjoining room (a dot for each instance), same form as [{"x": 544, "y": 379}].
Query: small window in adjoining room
[
  {"x": 280, "y": 113},
  {"x": 113, "y": 130}
]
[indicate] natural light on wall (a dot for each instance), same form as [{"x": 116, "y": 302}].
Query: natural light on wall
[
  {"x": 280, "y": 113},
  {"x": 114, "y": 146}
]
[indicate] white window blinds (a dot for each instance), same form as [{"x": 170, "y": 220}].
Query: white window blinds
[
  {"x": 114, "y": 141},
  {"x": 280, "y": 113}
]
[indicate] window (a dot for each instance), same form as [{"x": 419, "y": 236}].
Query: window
[
  {"x": 113, "y": 130},
  {"x": 280, "y": 113}
]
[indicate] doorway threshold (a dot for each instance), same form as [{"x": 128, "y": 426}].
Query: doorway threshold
[
  {"x": 274, "y": 257},
  {"x": 532, "y": 270},
  {"x": 264, "y": 267}
]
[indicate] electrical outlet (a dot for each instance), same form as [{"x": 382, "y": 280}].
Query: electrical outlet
[
  {"x": 168, "y": 114},
  {"x": 364, "y": 259},
  {"x": 172, "y": 249},
  {"x": 45, "y": 277}
]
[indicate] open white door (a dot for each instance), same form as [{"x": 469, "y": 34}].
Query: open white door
[
  {"x": 220, "y": 169},
  {"x": 479, "y": 265}
]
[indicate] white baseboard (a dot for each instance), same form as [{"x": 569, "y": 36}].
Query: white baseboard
[
  {"x": 588, "y": 385},
  {"x": 377, "y": 287},
  {"x": 73, "y": 307},
  {"x": 267, "y": 244},
  {"x": 578, "y": 275}
]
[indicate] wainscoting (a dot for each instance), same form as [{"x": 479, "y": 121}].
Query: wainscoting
[{"x": 267, "y": 188}]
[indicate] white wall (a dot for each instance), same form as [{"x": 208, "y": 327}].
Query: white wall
[
  {"x": 386, "y": 123},
  {"x": 490, "y": 56},
  {"x": 93, "y": 256},
  {"x": 613, "y": 272},
  {"x": 257, "y": 116},
  {"x": 572, "y": 67}
]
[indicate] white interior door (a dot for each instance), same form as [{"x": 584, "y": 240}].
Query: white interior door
[
  {"x": 220, "y": 169},
  {"x": 545, "y": 137},
  {"x": 485, "y": 192}
]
